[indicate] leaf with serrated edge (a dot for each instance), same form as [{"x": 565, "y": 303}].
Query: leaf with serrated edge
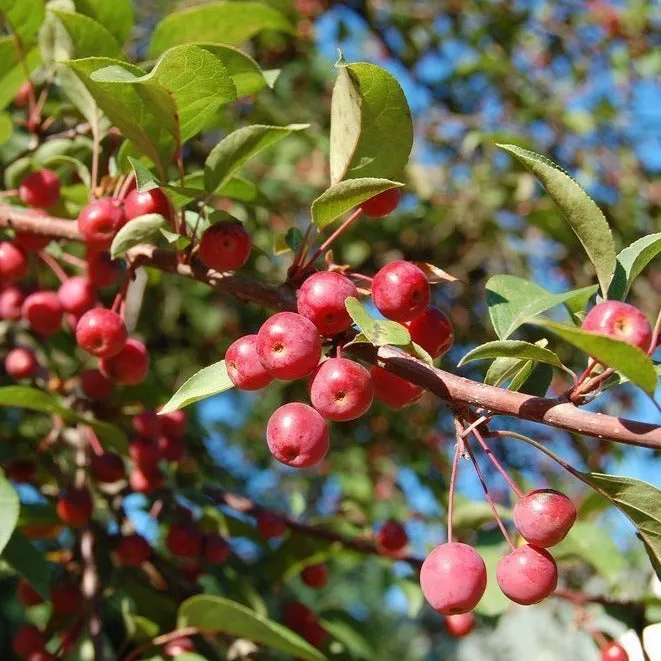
[
  {"x": 346, "y": 195},
  {"x": 209, "y": 381},
  {"x": 136, "y": 231},
  {"x": 581, "y": 212},
  {"x": 511, "y": 349},
  {"x": 630, "y": 263}
]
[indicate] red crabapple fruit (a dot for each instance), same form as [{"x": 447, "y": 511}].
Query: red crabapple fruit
[
  {"x": 341, "y": 389},
  {"x": 172, "y": 449},
  {"x": 29, "y": 241},
  {"x": 21, "y": 363},
  {"x": 150, "y": 201},
  {"x": 101, "y": 332},
  {"x": 315, "y": 576},
  {"x": 146, "y": 482},
  {"x": 244, "y": 367},
  {"x": 43, "y": 312},
  {"x": 130, "y": 366},
  {"x": 296, "y": 614},
  {"x": 460, "y": 625},
  {"x": 453, "y": 578},
  {"x": 225, "y": 246},
  {"x": 13, "y": 261},
  {"x": 392, "y": 536},
  {"x": 382, "y": 204},
  {"x": 270, "y": 526},
  {"x": 527, "y": 575},
  {"x": 184, "y": 540},
  {"x": 401, "y": 291},
  {"x": 77, "y": 295},
  {"x": 173, "y": 424},
  {"x": 322, "y": 298},
  {"x": 544, "y": 517},
  {"x": 147, "y": 423},
  {"x": 433, "y": 331},
  {"x": 11, "y": 301},
  {"x": 75, "y": 506},
  {"x": 101, "y": 269},
  {"x": 215, "y": 549},
  {"x": 297, "y": 435},
  {"x": 41, "y": 189},
  {"x": 289, "y": 346},
  {"x": 132, "y": 550},
  {"x": 620, "y": 321},
  {"x": 27, "y": 641},
  {"x": 99, "y": 221},
  {"x": 95, "y": 384},
  {"x": 65, "y": 598},
  {"x": 27, "y": 595},
  {"x": 145, "y": 453},
  {"x": 107, "y": 467},
  {"x": 392, "y": 390},
  {"x": 614, "y": 652}
]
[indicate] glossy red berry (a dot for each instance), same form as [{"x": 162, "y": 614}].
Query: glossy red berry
[
  {"x": 41, "y": 189},
  {"x": 132, "y": 550},
  {"x": 392, "y": 536},
  {"x": 146, "y": 482},
  {"x": 27, "y": 641},
  {"x": 244, "y": 367},
  {"x": 21, "y": 363},
  {"x": 75, "y": 506},
  {"x": 77, "y": 295},
  {"x": 453, "y": 578},
  {"x": 215, "y": 549},
  {"x": 173, "y": 424},
  {"x": 341, "y": 389},
  {"x": 130, "y": 366},
  {"x": 620, "y": 321},
  {"x": 392, "y": 390},
  {"x": 614, "y": 652},
  {"x": 102, "y": 270},
  {"x": 184, "y": 540},
  {"x": 321, "y": 299},
  {"x": 151, "y": 201},
  {"x": 432, "y": 330},
  {"x": 101, "y": 332},
  {"x": 27, "y": 595},
  {"x": 289, "y": 346},
  {"x": 65, "y": 598},
  {"x": 99, "y": 221},
  {"x": 270, "y": 526},
  {"x": 13, "y": 261},
  {"x": 11, "y": 301},
  {"x": 544, "y": 517},
  {"x": 107, "y": 467},
  {"x": 43, "y": 312},
  {"x": 147, "y": 423},
  {"x": 460, "y": 625},
  {"x": 145, "y": 453},
  {"x": 95, "y": 384},
  {"x": 382, "y": 204},
  {"x": 297, "y": 435},
  {"x": 172, "y": 449},
  {"x": 315, "y": 576},
  {"x": 527, "y": 575},
  {"x": 401, "y": 291},
  {"x": 225, "y": 246}
]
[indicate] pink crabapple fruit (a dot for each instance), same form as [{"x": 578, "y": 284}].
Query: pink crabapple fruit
[
  {"x": 75, "y": 506},
  {"x": 130, "y": 366},
  {"x": 289, "y": 346},
  {"x": 150, "y": 201},
  {"x": 147, "y": 423},
  {"x": 225, "y": 246},
  {"x": 11, "y": 301},
  {"x": 341, "y": 389},
  {"x": 459, "y": 625},
  {"x": 77, "y": 295},
  {"x": 433, "y": 331},
  {"x": 297, "y": 435},
  {"x": 614, "y": 652},
  {"x": 100, "y": 221},
  {"x": 392, "y": 390},
  {"x": 453, "y": 578},
  {"x": 101, "y": 332},
  {"x": 321, "y": 299},
  {"x": 401, "y": 291},
  {"x": 146, "y": 481},
  {"x": 392, "y": 537},
  {"x": 145, "y": 453},
  {"x": 620, "y": 321},
  {"x": 21, "y": 363},
  {"x": 95, "y": 384},
  {"x": 172, "y": 449},
  {"x": 13, "y": 261},
  {"x": 270, "y": 526},
  {"x": 544, "y": 517},
  {"x": 40, "y": 189},
  {"x": 315, "y": 576},
  {"x": 382, "y": 204},
  {"x": 173, "y": 424},
  {"x": 244, "y": 367},
  {"x": 43, "y": 312},
  {"x": 527, "y": 575},
  {"x": 101, "y": 269}
]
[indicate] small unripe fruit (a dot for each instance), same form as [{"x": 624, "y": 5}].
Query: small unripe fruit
[
  {"x": 527, "y": 575},
  {"x": 215, "y": 549},
  {"x": 270, "y": 526},
  {"x": 172, "y": 449},
  {"x": 225, "y": 246},
  {"x": 244, "y": 367},
  {"x": 65, "y": 599},
  {"x": 95, "y": 384},
  {"x": 101, "y": 269},
  {"x": 150, "y": 201},
  {"x": 147, "y": 423},
  {"x": 289, "y": 346},
  {"x": 401, "y": 291},
  {"x": 460, "y": 625},
  {"x": 392, "y": 536},
  {"x": 544, "y": 517},
  {"x": 130, "y": 366},
  {"x": 620, "y": 321},
  {"x": 77, "y": 295},
  {"x": 173, "y": 424},
  {"x": 27, "y": 641},
  {"x": 614, "y": 652},
  {"x": 433, "y": 331},
  {"x": 75, "y": 506},
  {"x": 99, "y": 221},
  {"x": 101, "y": 332},
  {"x": 145, "y": 453},
  {"x": 315, "y": 576},
  {"x": 41, "y": 189},
  {"x": 132, "y": 550},
  {"x": 392, "y": 390},
  {"x": 453, "y": 578},
  {"x": 107, "y": 467},
  {"x": 184, "y": 540},
  {"x": 13, "y": 261},
  {"x": 297, "y": 435},
  {"x": 43, "y": 312},
  {"x": 321, "y": 299},
  {"x": 27, "y": 595},
  {"x": 341, "y": 389},
  {"x": 382, "y": 204},
  {"x": 146, "y": 482},
  {"x": 11, "y": 301},
  {"x": 21, "y": 363}
]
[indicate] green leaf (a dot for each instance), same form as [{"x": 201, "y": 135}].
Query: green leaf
[
  {"x": 22, "y": 18},
  {"x": 88, "y": 38},
  {"x": 145, "y": 179},
  {"x": 582, "y": 214},
  {"x": 81, "y": 169},
  {"x": 116, "y": 16},
  {"x": 291, "y": 241},
  {"x": 216, "y": 614},
  {"x": 594, "y": 545},
  {"x": 512, "y": 301},
  {"x": 512, "y": 349},
  {"x": 138, "y": 230},
  {"x": 209, "y": 381},
  {"x": 414, "y": 596},
  {"x": 30, "y": 563},
  {"x": 6, "y": 127},
  {"x": 217, "y": 22},
  {"x": 240, "y": 146},
  {"x": 12, "y": 72},
  {"x": 9, "y": 507},
  {"x": 371, "y": 125},
  {"x": 630, "y": 263},
  {"x": 621, "y": 356},
  {"x": 346, "y": 195},
  {"x": 347, "y": 632},
  {"x": 378, "y": 332},
  {"x": 25, "y": 397}
]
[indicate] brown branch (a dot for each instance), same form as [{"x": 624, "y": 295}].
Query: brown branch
[{"x": 456, "y": 390}]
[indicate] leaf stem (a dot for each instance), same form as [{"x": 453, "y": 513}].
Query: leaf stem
[{"x": 337, "y": 233}]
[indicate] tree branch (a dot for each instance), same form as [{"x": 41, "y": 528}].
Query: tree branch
[{"x": 455, "y": 390}]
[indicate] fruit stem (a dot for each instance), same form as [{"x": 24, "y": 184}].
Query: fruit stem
[
  {"x": 118, "y": 303},
  {"x": 337, "y": 233},
  {"x": 497, "y": 465},
  {"x": 656, "y": 335},
  {"x": 96, "y": 150},
  {"x": 94, "y": 442},
  {"x": 53, "y": 266},
  {"x": 591, "y": 365},
  {"x": 458, "y": 451},
  {"x": 124, "y": 189}
]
